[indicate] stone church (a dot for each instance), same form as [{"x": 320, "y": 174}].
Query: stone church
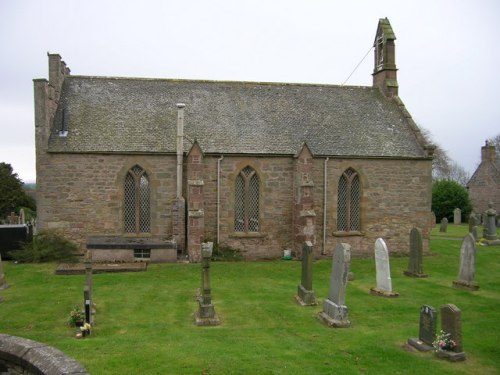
[{"x": 150, "y": 168}]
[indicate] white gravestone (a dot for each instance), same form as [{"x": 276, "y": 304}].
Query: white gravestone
[{"x": 383, "y": 271}]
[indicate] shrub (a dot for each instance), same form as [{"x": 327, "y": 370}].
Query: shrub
[
  {"x": 47, "y": 246},
  {"x": 226, "y": 253},
  {"x": 448, "y": 195}
]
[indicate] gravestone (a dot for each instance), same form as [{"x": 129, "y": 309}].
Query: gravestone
[
  {"x": 427, "y": 329},
  {"x": 444, "y": 225},
  {"x": 205, "y": 315},
  {"x": 305, "y": 293},
  {"x": 490, "y": 233},
  {"x": 415, "y": 263},
  {"x": 13, "y": 219},
  {"x": 88, "y": 286},
  {"x": 3, "y": 282},
  {"x": 467, "y": 265},
  {"x": 383, "y": 271},
  {"x": 472, "y": 221},
  {"x": 335, "y": 312},
  {"x": 451, "y": 323},
  {"x": 474, "y": 232},
  {"x": 433, "y": 219},
  {"x": 457, "y": 216}
]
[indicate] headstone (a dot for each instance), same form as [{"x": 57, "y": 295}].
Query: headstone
[
  {"x": 305, "y": 293},
  {"x": 22, "y": 216},
  {"x": 474, "y": 232},
  {"x": 433, "y": 219},
  {"x": 3, "y": 282},
  {"x": 205, "y": 315},
  {"x": 13, "y": 218},
  {"x": 451, "y": 323},
  {"x": 444, "y": 225},
  {"x": 335, "y": 312},
  {"x": 490, "y": 224},
  {"x": 383, "y": 271},
  {"x": 88, "y": 286},
  {"x": 467, "y": 265},
  {"x": 472, "y": 221},
  {"x": 415, "y": 264},
  {"x": 457, "y": 216},
  {"x": 427, "y": 329}
]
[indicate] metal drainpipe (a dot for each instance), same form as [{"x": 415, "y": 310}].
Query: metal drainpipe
[
  {"x": 180, "y": 147},
  {"x": 218, "y": 196},
  {"x": 325, "y": 184}
]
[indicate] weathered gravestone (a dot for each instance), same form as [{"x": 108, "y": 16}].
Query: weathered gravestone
[
  {"x": 88, "y": 290},
  {"x": 335, "y": 312},
  {"x": 427, "y": 329},
  {"x": 305, "y": 293},
  {"x": 433, "y": 219},
  {"x": 3, "y": 282},
  {"x": 415, "y": 264},
  {"x": 467, "y": 265},
  {"x": 444, "y": 225},
  {"x": 473, "y": 222},
  {"x": 205, "y": 315},
  {"x": 457, "y": 216},
  {"x": 490, "y": 228},
  {"x": 383, "y": 271},
  {"x": 451, "y": 323}
]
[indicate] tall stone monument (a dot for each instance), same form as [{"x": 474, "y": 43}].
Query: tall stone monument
[
  {"x": 205, "y": 315},
  {"x": 467, "y": 265},
  {"x": 383, "y": 270},
  {"x": 305, "y": 293},
  {"x": 451, "y": 323},
  {"x": 335, "y": 312},
  {"x": 415, "y": 264},
  {"x": 490, "y": 228}
]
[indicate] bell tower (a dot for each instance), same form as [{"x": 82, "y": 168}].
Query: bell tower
[{"x": 385, "y": 71}]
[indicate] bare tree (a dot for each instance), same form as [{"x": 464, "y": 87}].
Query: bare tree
[{"x": 495, "y": 141}]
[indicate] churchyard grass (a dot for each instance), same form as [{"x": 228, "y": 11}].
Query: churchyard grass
[
  {"x": 457, "y": 231},
  {"x": 144, "y": 321}
]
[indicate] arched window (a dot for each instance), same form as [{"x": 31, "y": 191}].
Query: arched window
[
  {"x": 349, "y": 202},
  {"x": 246, "y": 201},
  {"x": 137, "y": 215}
]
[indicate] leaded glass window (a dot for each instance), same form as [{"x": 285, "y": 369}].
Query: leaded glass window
[
  {"x": 246, "y": 201},
  {"x": 137, "y": 215},
  {"x": 349, "y": 202}
]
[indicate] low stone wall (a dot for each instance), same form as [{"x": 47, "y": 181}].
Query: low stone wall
[{"x": 23, "y": 356}]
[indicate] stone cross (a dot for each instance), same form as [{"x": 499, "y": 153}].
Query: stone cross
[
  {"x": 305, "y": 294},
  {"x": 415, "y": 266},
  {"x": 467, "y": 265},
  {"x": 457, "y": 216},
  {"x": 451, "y": 323},
  {"x": 335, "y": 312},
  {"x": 3, "y": 282},
  {"x": 13, "y": 218},
  {"x": 444, "y": 225},
  {"x": 205, "y": 315},
  {"x": 383, "y": 271},
  {"x": 427, "y": 329}
]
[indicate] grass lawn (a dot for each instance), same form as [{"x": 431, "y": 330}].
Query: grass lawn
[
  {"x": 145, "y": 325},
  {"x": 457, "y": 231}
]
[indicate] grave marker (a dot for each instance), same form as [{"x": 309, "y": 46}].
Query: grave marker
[
  {"x": 415, "y": 266},
  {"x": 427, "y": 329},
  {"x": 383, "y": 271},
  {"x": 457, "y": 216},
  {"x": 444, "y": 225},
  {"x": 305, "y": 293},
  {"x": 335, "y": 312},
  {"x": 451, "y": 323},
  {"x": 490, "y": 228},
  {"x": 205, "y": 315},
  {"x": 467, "y": 265},
  {"x": 3, "y": 282}
]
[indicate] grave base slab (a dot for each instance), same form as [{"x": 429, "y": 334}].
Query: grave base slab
[
  {"x": 305, "y": 297},
  {"x": 412, "y": 274},
  {"x": 419, "y": 344},
  {"x": 465, "y": 285},
  {"x": 211, "y": 321},
  {"x": 451, "y": 356},
  {"x": 383, "y": 293}
]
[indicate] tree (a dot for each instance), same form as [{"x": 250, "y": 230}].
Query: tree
[
  {"x": 12, "y": 195},
  {"x": 448, "y": 195},
  {"x": 495, "y": 141}
]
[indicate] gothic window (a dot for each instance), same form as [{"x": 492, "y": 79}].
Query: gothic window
[
  {"x": 379, "y": 53},
  {"x": 349, "y": 202},
  {"x": 137, "y": 215},
  {"x": 246, "y": 201}
]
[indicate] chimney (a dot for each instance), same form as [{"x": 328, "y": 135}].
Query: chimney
[
  {"x": 488, "y": 153},
  {"x": 385, "y": 71},
  {"x": 180, "y": 146}
]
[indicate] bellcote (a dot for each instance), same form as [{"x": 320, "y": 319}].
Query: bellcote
[{"x": 385, "y": 71}]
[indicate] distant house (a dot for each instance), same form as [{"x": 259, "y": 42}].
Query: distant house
[
  {"x": 260, "y": 167},
  {"x": 484, "y": 185}
]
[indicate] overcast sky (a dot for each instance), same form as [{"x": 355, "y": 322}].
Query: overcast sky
[{"x": 447, "y": 53}]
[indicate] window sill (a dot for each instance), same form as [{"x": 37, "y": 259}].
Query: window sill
[
  {"x": 348, "y": 234},
  {"x": 247, "y": 235}
]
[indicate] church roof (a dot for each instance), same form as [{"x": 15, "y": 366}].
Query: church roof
[{"x": 132, "y": 115}]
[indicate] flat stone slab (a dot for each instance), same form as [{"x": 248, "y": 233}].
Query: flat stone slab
[
  {"x": 383, "y": 293},
  {"x": 331, "y": 322},
  {"x": 419, "y": 344},
  {"x": 79, "y": 268},
  {"x": 465, "y": 285},
  {"x": 451, "y": 356},
  {"x": 214, "y": 321},
  {"x": 119, "y": 242}
]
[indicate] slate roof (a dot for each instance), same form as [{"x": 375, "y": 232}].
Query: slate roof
[{"x": 132, "y": 115}]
